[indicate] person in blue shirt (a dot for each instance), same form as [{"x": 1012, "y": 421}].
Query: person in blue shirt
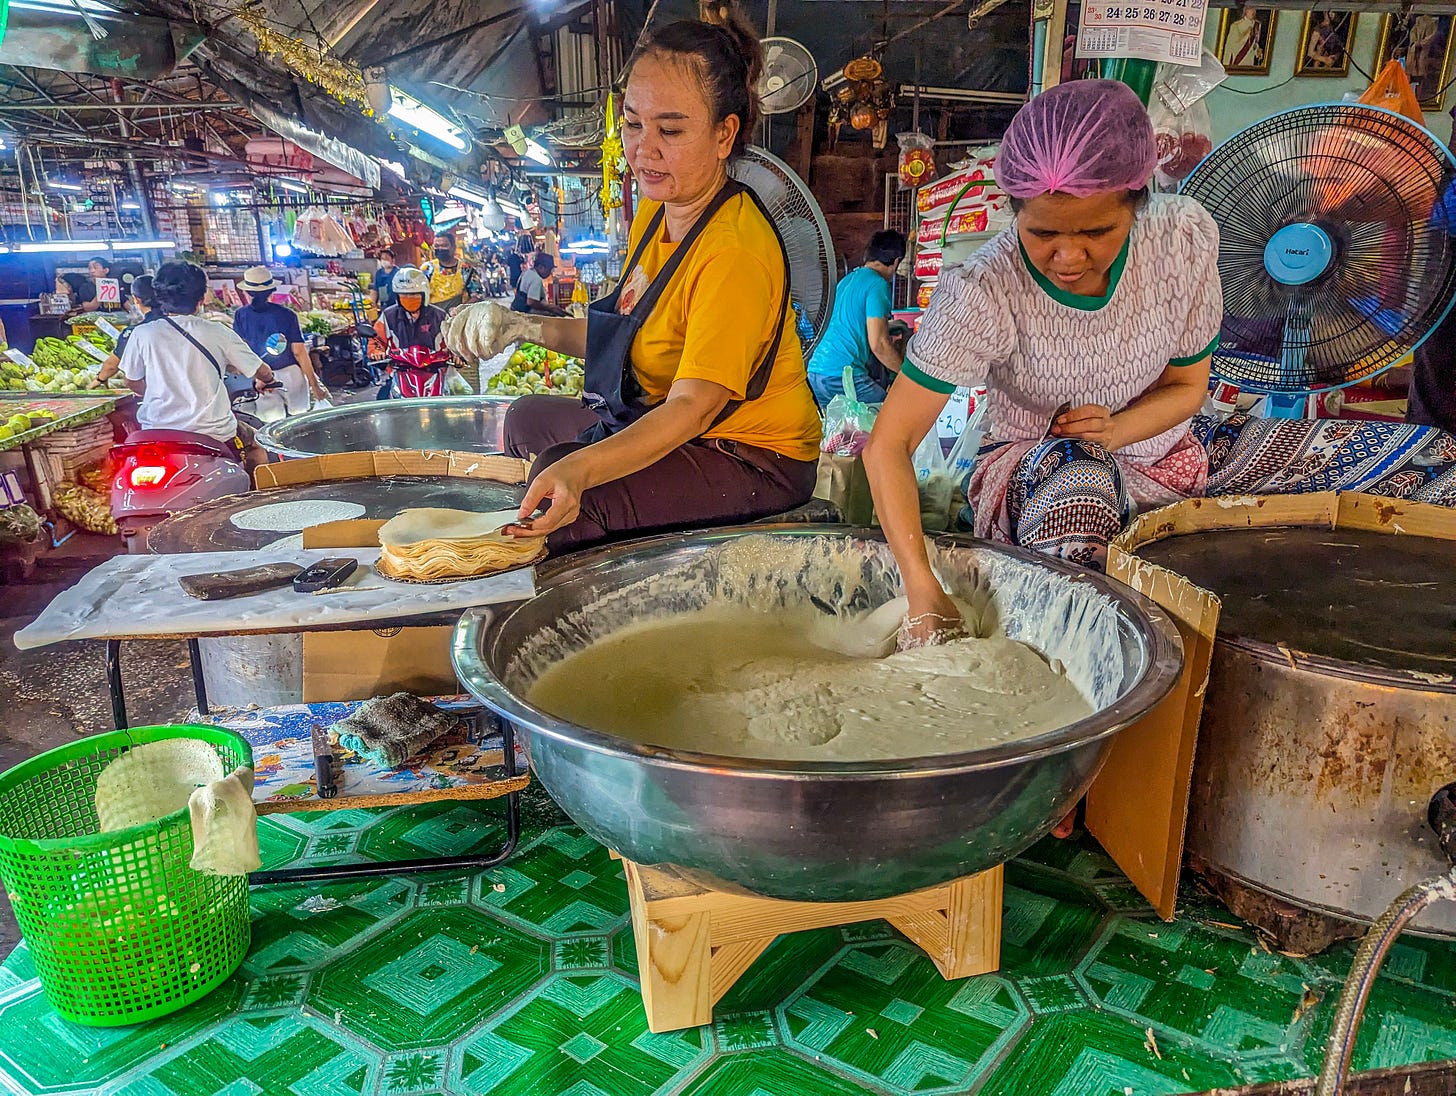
[
  {"x": 383, "y": 291},
  {"x": 271, "y": 332},
  {"x": 858, "y": 332}
]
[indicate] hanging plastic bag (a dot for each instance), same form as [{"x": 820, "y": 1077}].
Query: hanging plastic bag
[
  {"x": 961, "y": 463},
  {"x": 1183, "y": 141},
  {"x": 933, "y": 479},
  {"x": 917, "y": 159},
  {"x": 847, "y": 421},
  {"x": 1392, "y": 90},
  {"x": 1178, "y": 87}
]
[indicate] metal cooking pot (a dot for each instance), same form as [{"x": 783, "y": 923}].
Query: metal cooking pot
[
  {"x": 820, "y": 831},
  {"x": 461, "y": 424}
]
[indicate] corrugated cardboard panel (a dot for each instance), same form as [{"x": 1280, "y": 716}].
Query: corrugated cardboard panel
[
  {"x": 403, "y": 462},
  {"x": 357, "y": 665}
]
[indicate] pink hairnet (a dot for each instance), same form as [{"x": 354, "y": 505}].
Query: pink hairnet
[{"x": 1080, "y": 138}]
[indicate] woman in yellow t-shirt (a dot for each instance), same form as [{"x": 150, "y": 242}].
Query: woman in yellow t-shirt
[{"x": 697, "y": 408}]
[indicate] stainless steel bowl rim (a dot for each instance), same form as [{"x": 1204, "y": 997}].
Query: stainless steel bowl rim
[
  {"x": 267, "y": 435},
  {"x": 478, "y": 626}
]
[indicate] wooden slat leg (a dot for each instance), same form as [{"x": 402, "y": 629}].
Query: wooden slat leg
[
  {"x": 962, "y": 936},
  {"x": 674, "y": 963},
  {"x": 731, "y": 962}
]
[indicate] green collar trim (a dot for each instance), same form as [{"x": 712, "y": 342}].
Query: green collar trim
[{"x": 1075, "y": 300}]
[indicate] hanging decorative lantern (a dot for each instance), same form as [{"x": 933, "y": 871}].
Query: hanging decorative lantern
[{"x": 864, "y": 101}]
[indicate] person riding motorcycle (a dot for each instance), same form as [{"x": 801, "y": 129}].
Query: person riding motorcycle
[{"x": 412, "y": 322}]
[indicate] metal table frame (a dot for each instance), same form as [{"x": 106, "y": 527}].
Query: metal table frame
[{"x": 336, "y": 872}]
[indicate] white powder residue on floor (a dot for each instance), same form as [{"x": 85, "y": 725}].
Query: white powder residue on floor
[
  {"x": 287, "y": 516},
  {"x": 728, "y": 680}
]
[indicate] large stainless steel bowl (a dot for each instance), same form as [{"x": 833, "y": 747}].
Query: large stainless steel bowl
[
  {"x": 821, "y": 831},
  {"x": 461, "y": 424}
]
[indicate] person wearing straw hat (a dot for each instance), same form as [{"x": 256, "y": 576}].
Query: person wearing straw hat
[{"x": 271, "y": 331}]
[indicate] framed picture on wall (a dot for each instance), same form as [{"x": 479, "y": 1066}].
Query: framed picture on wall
[
  {"x": 1324, "y": 44},
  {"x": 1245, "y": 36},
  {"x": 1423, "y": 44}
]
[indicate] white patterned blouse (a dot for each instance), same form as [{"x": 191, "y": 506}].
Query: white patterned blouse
[{"x": 995, "y": 320}]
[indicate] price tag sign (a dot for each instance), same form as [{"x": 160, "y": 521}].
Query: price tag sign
[
  {"x": 20, "y": 358},
  {"x": 108, "y": 290},
  {"x": 107, "y": 328},
  {"x": 92, "y": 349},
  {"x": 1154, "y": 30}
]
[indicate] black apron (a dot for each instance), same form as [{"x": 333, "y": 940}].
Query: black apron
[{"x": 611, "y": 388}]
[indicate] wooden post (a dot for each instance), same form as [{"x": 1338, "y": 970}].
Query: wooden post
[
  {"x": 805, "y": 121},
  {"x": 1051, "y": 73}
]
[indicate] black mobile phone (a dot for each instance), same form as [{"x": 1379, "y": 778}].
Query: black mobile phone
[
  {"x": 215, "y": 585},
  {"x": 325, "y": 574}
]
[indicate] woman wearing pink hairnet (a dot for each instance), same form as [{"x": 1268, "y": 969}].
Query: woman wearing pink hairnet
[{"x": 1092, "y": 321}]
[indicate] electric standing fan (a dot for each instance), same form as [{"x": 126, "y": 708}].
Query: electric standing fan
[
  {"x": 801, "y": 223},
  {"x": 1336, "y": 254}
]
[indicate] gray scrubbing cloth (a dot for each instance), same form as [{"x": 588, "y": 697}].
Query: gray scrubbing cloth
[{"x": 388, "y": 731}]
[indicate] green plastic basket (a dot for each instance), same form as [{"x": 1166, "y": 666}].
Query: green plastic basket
[{"x": 120, "y": 927}]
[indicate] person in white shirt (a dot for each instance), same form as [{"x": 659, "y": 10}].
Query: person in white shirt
[{"x": 176, "y": 364}]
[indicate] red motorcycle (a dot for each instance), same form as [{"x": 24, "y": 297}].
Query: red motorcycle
[{"x": 415, "y": 372}]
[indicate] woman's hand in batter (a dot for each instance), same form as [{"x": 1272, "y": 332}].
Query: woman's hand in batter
[
  {"x": 559, "y": 488},
  {"x": 1090, "y": 422}
]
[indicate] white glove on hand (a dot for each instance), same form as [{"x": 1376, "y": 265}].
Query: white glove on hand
[{"x": 484, "y": 329}]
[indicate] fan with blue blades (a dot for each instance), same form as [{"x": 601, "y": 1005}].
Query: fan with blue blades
[{"x": 1337, "y": 251}]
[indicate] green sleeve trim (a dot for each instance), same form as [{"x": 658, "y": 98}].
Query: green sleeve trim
[
  {"x": 924, "y": 380},
  {"x": 1194, "y": 359}
]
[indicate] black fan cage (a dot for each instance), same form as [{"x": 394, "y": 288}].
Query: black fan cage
[{"x": 1380, "y": 187}]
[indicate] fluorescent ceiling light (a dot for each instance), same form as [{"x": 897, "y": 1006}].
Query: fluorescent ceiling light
[
  {"x": 588, "y": 247},
  {"x": 61, "y": 246},
  {"x": 289, "y": 184},
  {"x": 392, "y": 165},
  {"x": 130, "y": 205},
  {"x": 412, "y": 112},
  {"x": 537, "y": 152},
  {"x": 65, "y": 186},
  {"x": 71, "y": 247},
  {"x": 465, "y": 194},
  {"x": 508, "y": 206}
]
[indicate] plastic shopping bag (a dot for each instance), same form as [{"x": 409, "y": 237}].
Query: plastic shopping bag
[
  {"x": 847, "y": 421},
  {"x": 1183, "y": 141},
  {"x": 933, "y": 478},
  {"x": 962, "y": 463},
  {"x": 1392, "y": 90}
]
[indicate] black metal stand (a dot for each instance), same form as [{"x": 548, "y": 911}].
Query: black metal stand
[
  {"x": 336, "y": 872},
  {"x": 118, "y": 694}
]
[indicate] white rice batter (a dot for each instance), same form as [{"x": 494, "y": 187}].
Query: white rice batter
[
  {"x": 731, "y": 681},
  {"x": 285, "y": 516}
]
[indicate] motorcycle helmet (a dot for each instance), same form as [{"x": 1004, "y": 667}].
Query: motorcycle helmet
[{"x": 410, "y": 280}]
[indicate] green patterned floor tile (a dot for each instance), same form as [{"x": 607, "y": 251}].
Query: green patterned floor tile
[
  {"x": 278, "y": 844},
  {"x": 1200, "y": 983},
  {"x": 564, "y": 884},
  {"x": 882, "y": 1013},
  {"x": 578, "y": 1033},
  {"x": 788, "y": 961},
  {"x": 301, "y": 927},
  {"x": 286, "y": 1054},
  {"x": 1402, "y": 1024},
  {"x": 461, "y": 828},
  {"x": 1091, "y": 1053},
  {"x": 1430, "y": 964},
  {"x": 431, "y": 978},
  {"x": 1081, "y": 858},
  {"x": 1048, "y": 924},
  {"x": 772, "y": 1073},
  {"x": 50, "y": 1055}
]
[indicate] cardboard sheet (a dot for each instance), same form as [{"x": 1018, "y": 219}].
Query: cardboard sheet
[{"x": 137, "y": 597}]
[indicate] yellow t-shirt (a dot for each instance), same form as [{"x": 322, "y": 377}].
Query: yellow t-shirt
[{"x": 714, "y": 322}]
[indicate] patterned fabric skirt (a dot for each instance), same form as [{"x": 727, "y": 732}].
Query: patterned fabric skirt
[{"x": 1069, "y": 498}]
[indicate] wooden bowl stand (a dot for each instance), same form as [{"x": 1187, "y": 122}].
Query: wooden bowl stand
[{"x": 694, "y": 943}]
